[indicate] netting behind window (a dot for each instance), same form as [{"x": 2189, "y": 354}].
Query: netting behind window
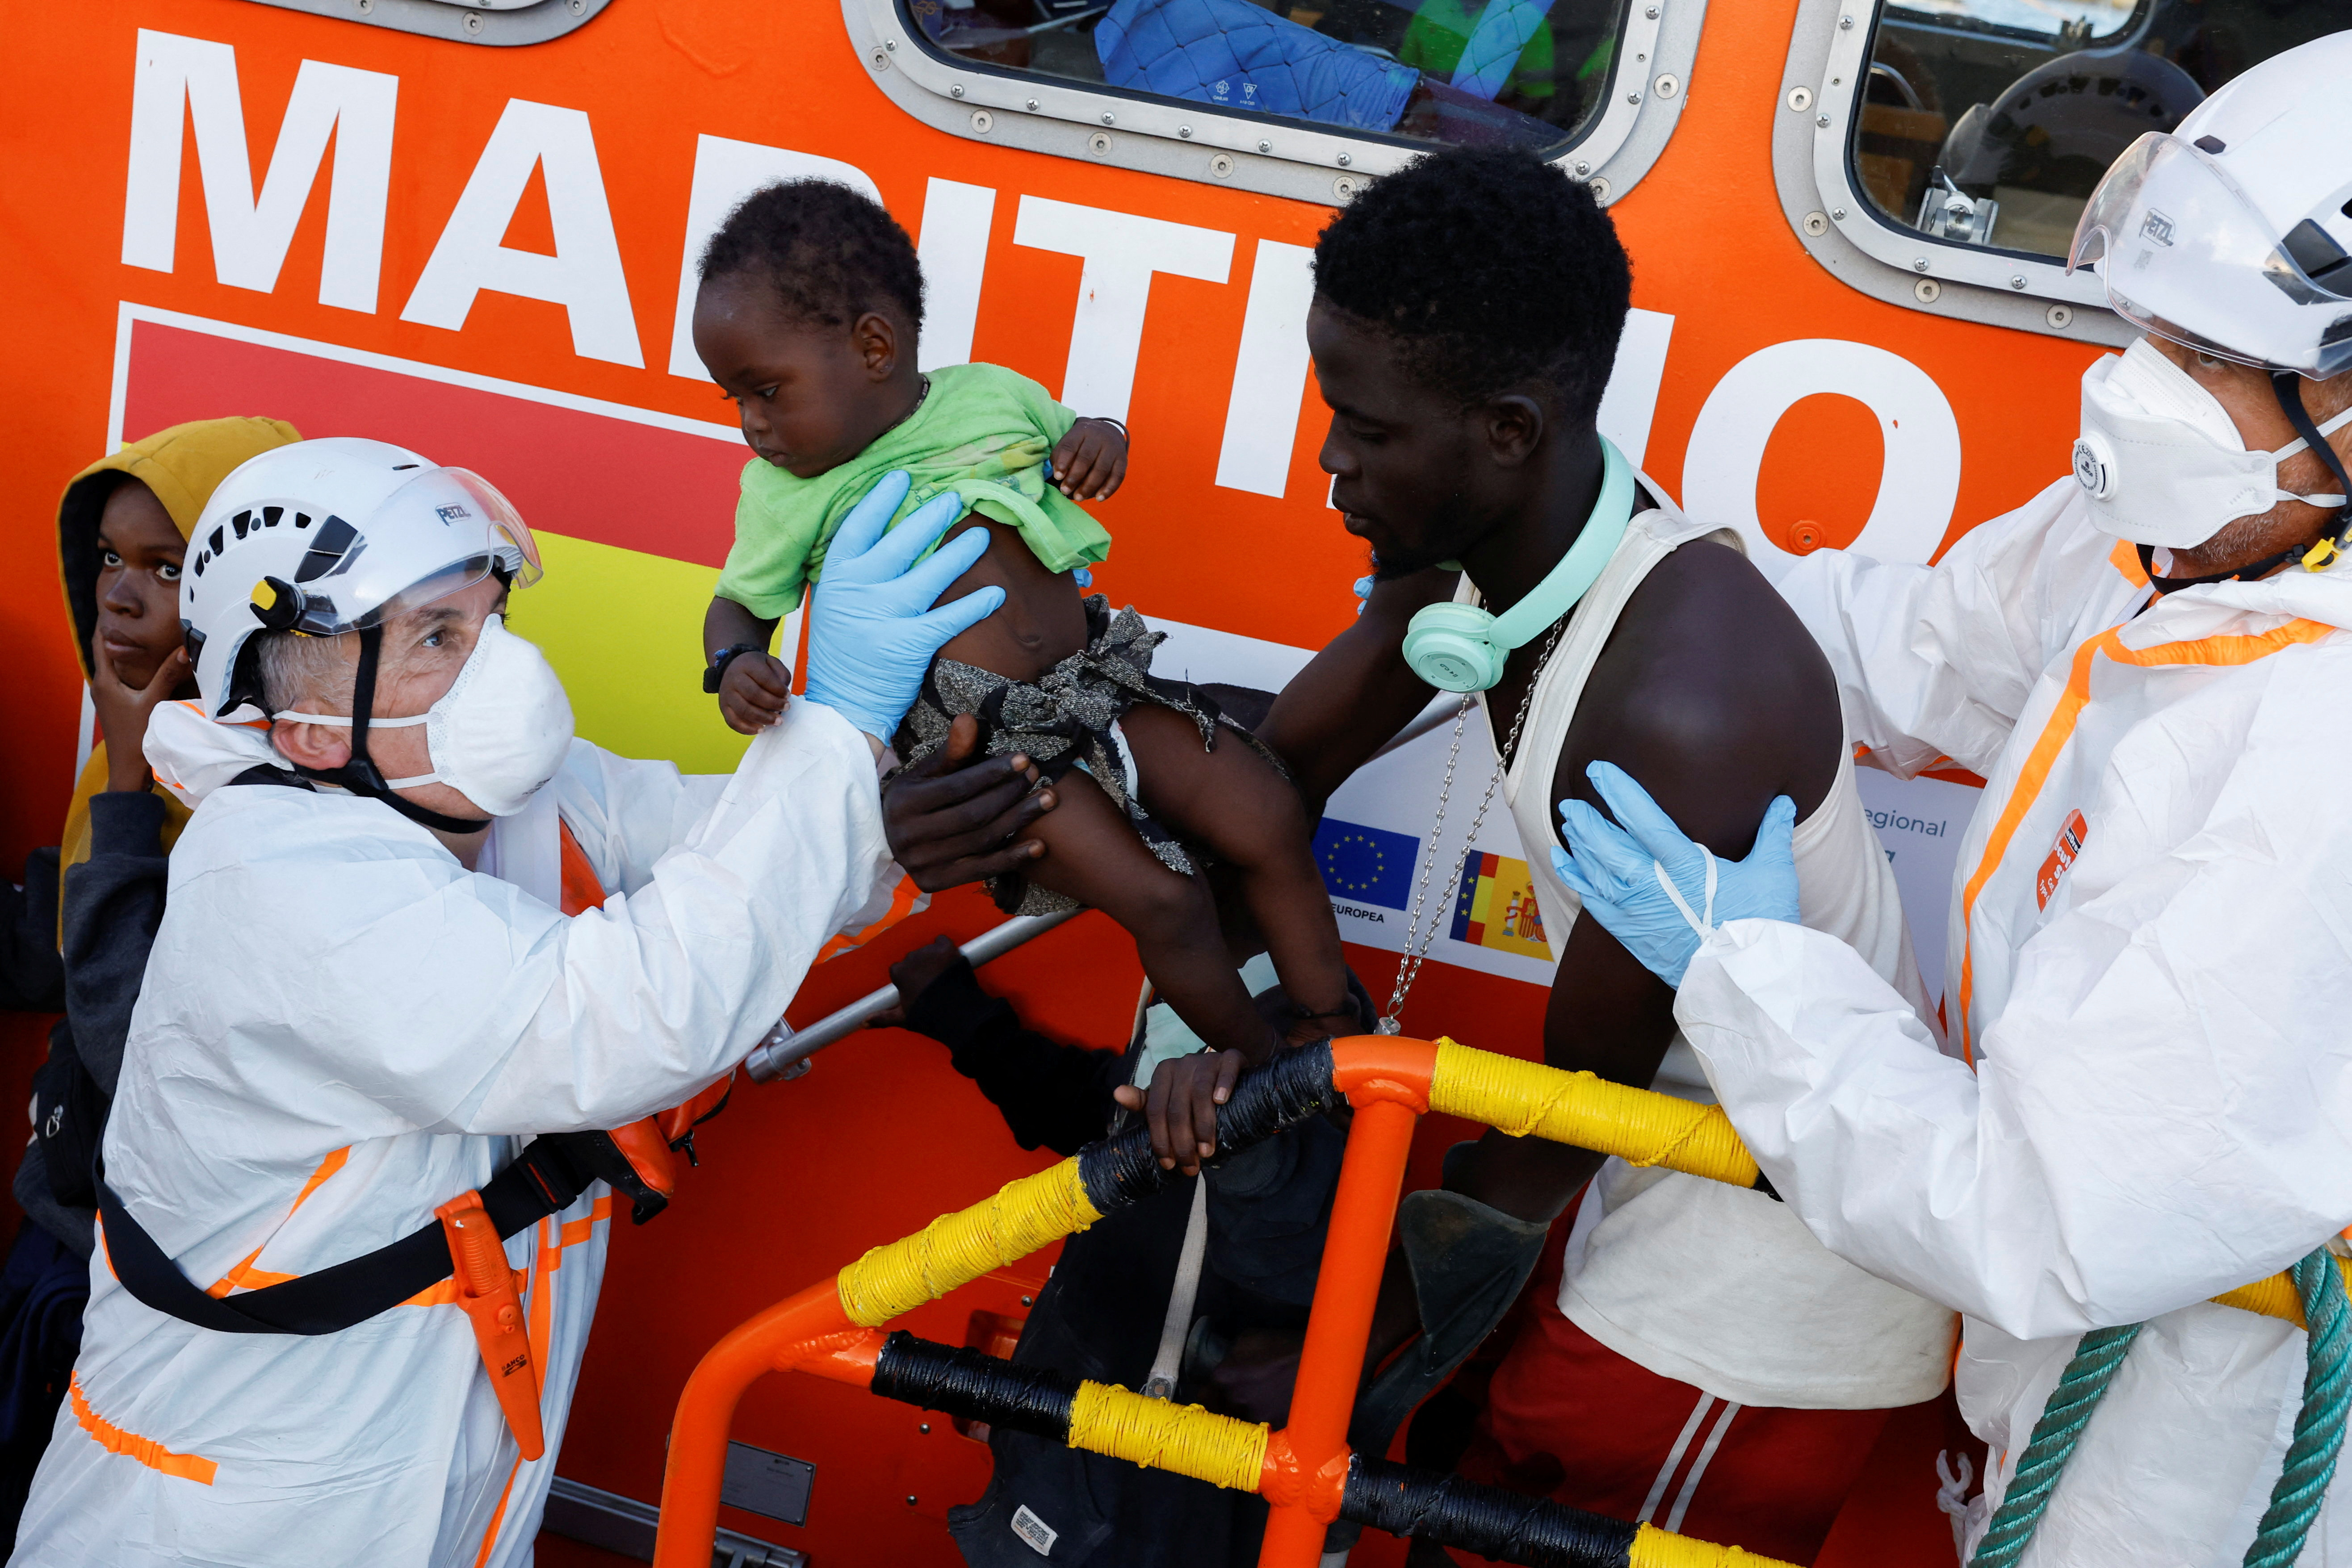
[
  {"x": 1988, "y": 122},
  {"x": 1529, "y": 73}
]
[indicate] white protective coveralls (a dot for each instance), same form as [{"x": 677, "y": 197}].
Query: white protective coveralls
[
  {"x": 2151, "y": 967},
  {"x": 341, "y": 1028}
]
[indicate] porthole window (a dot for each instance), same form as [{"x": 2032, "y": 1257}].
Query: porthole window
[
  {"x": 1505, "y": 72},
  {"x": 1956, "y": 141},
  {"x": 1350, "y": 89},
  {"x": 1988, "y": 122}
]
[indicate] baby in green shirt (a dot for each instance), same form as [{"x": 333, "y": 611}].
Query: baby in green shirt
[{"x": 807, "y": 317}]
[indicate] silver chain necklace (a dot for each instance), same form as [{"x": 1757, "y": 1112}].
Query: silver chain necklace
[{"x": 1416, "y": 940}]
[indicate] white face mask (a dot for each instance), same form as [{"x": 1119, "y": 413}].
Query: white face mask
[
  {"x": 498, "y": 733},
  {"x": 2161, "y": 459}
]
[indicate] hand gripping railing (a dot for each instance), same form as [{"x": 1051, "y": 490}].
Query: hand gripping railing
[{"x": 1306, "y": 1472}]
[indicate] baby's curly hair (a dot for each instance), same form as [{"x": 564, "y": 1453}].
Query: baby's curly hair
[
  {"x": 832, "y": 254},
  {"x": 1490, "y": 268}
]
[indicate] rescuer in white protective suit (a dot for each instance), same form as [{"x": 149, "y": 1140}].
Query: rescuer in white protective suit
[
  {"x": 364, "y": 999},
  {"x": 2151, "y": 959}
]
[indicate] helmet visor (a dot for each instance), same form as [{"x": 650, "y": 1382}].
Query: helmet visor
[
  {"x": 442, "y": 532},
  {"x": 2186, "y": 254}
]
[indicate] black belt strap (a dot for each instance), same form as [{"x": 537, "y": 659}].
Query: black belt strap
[{"x": 547, "y": 1176}]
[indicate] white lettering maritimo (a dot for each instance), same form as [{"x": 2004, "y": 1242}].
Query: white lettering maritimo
[
  {"x": 1123, "y": 252},
  {"x": 251, "y": 233},
  {"x": 584, "y": 275}
]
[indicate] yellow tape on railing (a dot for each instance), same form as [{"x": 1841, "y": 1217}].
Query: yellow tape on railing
[
  {"x": 957, "y": 1248},
  {"x": 2276, "y": 1297},
  {"x": 1220, "y": 1450},
  {"x": 1640, "y": 1125},
  {"x": 1656, "y": 1548}
]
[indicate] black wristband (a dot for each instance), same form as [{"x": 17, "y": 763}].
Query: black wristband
[{"x": 721, "y": 659}]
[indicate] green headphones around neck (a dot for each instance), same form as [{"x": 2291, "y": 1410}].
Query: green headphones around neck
[{"x": 1461, "y": 648}]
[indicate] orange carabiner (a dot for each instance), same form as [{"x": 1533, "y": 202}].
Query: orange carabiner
[{"x": 485, "y": 1287}]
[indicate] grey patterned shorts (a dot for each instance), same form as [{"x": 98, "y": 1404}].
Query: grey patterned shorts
[{"x": 1066, "y": 718}]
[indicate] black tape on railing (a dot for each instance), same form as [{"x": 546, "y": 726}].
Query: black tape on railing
[
  {"x": 1292, "y": 1087},
  {"x": 975, "y": 1385},
  {"x": 1493, "y": 1523}
]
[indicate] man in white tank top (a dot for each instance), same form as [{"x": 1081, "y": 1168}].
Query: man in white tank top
[{"x": 1705, "y": 1363}]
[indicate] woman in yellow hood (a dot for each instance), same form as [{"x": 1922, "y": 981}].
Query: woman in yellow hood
[
  {"x": 79, "y": 939},
  {"x": 122, "y": 528}
]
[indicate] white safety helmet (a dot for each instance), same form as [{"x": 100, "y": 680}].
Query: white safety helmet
[
  {"x": 2232, "y": 235},
  {"x": 331, "y": 536}
]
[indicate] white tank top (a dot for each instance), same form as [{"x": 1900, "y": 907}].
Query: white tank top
[{"x": 1708, "y": 1284}]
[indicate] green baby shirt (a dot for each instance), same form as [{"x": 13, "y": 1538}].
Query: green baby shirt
[{"x": 982, "y": 431}]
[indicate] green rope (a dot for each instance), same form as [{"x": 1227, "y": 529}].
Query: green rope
[
  {"x": 2319, "y": 1427},
  {"x": 2311, "y": 1458},
  {"x": 2080, "y": 1388}
]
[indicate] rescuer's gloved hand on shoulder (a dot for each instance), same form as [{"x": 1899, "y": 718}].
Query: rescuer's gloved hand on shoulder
[
  {"x": 872, "y": 628},
  {"x": 1656, "y": 891}
]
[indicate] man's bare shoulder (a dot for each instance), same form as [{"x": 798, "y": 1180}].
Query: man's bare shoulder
[{"x": 1712, "y": 692}]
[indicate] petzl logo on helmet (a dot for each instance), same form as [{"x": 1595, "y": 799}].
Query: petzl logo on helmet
[
  {"x": 2156, "y": 226},
  {"x": 451, "y": 513}
]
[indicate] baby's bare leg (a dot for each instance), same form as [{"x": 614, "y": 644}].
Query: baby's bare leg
[
  {"x": 1233, "y": 801},
  {"x": 1092, "y": 854}
]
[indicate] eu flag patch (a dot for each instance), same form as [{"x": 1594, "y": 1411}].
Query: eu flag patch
[{"x": 1365, "y": 865}]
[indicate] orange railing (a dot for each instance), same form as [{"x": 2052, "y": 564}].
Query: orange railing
[{"x": 832, "y": 1330}]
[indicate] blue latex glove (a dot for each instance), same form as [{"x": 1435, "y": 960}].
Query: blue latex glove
[
  {"x": 871, "y": 630},
  {"x": 1655, "y": 890}
]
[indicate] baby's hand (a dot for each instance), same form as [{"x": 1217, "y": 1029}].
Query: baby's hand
[
  {"x": 753, "y": 692},
  {"x": 1091, "y": 462},
  {"x": 1182, "y": 1106}
]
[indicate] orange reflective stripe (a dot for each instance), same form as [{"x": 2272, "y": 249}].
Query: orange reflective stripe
[
  {"x": 582, "y": 890},
  {"x": 2124, "y": 559},
  {"x": 2059, "y": 728},
  {"x": 902, "y": 904},
  {"x": 579, "y": 1230},
  {"x": 244, "y": 1276},
  {"x": 2055, "y": 733},
  {"x": 2239, "y": 650},
  {"x": 549, "y": 1260},
  {"x": 498, "y": 1516},
  {"x": 146, "y": 1450}
]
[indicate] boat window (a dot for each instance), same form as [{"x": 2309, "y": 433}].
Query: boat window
[
  {"x": 1527, "y": 73},
  {"x": 1986, "y": 123}
]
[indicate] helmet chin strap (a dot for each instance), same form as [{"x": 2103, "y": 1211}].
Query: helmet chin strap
[
  {"x": 2287, "y": 387},
  {"x": 361, "y": 776}
]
